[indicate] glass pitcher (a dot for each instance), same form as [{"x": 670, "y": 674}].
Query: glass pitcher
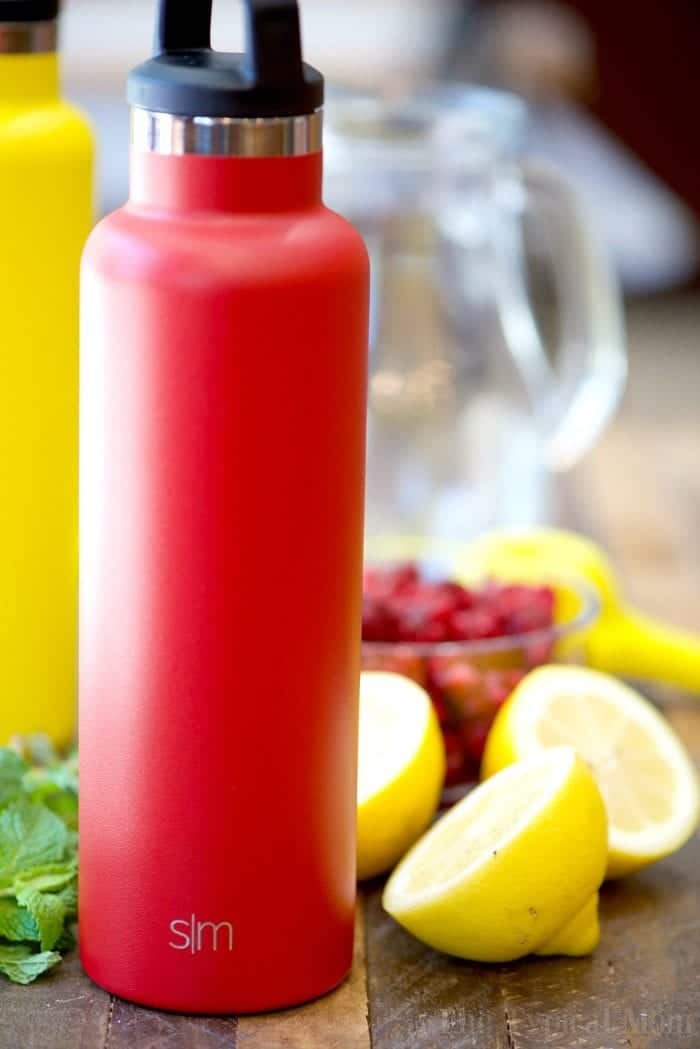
[{"x": 471, "y": 407}]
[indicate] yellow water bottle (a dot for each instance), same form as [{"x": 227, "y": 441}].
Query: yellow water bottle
[{"x": 46, "y": 204}]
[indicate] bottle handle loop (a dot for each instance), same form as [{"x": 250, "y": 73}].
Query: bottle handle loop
[{"x": 272, "y": 36}]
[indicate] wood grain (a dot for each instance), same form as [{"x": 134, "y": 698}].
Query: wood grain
[
  {"x": 640, "y": 990},
  {"x": 63, "y": 1010},
  {"x": 131, "y": 1027},
  {"x": 423, "y": 1000}
]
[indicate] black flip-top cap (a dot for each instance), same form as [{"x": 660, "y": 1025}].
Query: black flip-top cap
[
  {"x": 186, "y": 77},
  {"x": 28, "y": 10}
]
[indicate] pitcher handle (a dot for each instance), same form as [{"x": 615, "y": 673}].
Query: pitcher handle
[{"x": 591, "y": 370}]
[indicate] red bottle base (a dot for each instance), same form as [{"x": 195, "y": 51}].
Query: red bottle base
[{"x": 202, "y": 1004}]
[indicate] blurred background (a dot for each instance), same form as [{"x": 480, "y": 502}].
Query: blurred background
[
  {"x": 611, "y": 87},
  {"x": 497, "y": 351}
]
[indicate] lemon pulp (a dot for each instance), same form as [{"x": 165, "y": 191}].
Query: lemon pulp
[
  {"x": 513, "y": 869},
  {"x": 642, "y": 769}
]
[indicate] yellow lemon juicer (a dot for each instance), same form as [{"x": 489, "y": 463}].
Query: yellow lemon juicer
[
  {"x": 46, "y": 210},
  {"x": 623, "y": 640}
]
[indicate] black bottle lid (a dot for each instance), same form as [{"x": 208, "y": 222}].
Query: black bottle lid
[
  {"x": 186, "y": 77},
  {"x": 28, "y": 10}
]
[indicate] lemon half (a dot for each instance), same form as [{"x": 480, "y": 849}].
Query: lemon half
[
  {"x": 514, "y": 868},
  {"x": 401, "y": 769},
  {"x": 644, "y": 773}
]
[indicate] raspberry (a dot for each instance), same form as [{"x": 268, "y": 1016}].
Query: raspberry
[
  {"x": 456, "y": 595},
  {"x": 498, "y": 685},
  {"x": 457, "y": 677},
  {"x": 420, "y": 610},
  {"x": 454, "y": 753},
  {"x": 425, "y": 620},
  {"x": 378, "y": 621},
  {"x": 525, "y": 608},
  {"x": 387, "y": 582},
  {"x": 475, "y": 624},
  {"x": 474, "y": 734},
  {"x": 440, "y": 709}
]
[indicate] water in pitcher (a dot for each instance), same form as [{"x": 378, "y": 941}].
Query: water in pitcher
[{"x": 470, "y": 409}]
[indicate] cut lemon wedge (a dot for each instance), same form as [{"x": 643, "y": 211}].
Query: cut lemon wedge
[
  {"x": 513, "y": 869},
  {"x": 401, "y": 769},
  {"x": 644, "y": 773}
]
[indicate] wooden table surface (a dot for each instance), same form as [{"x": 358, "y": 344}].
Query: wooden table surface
[{"x": 640, "y": 492}]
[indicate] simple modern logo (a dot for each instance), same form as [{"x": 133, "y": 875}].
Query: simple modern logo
[{"x": 195, "y": 936}]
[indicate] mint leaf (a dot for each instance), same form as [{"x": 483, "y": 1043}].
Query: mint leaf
[
  {"x": 12, "y": 769},
  {"x": 30, "y": 836},
  {"x": 66, "y": 941},
  {"x": 41, "y": 782},
  {"x": 69, "y": 895},
  {"x": 21, "y": 966},
  {"x": 50, "y": 878},
  {"x": 38, "y": 861},
  {"x": 65, "y": 805},
  {"x": 16, "y": 923},
  {"x": 48, "y": 912}
]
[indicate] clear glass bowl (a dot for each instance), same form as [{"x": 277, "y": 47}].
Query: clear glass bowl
[{"x": 468, "y": 681}]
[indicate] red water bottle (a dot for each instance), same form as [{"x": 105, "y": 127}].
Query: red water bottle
[{"x": 224, "y": 335}]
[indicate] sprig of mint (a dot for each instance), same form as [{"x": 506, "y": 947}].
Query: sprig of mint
[{"x": 38, "y": 860}]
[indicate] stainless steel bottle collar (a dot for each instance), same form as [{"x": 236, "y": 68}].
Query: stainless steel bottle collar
[
  {"x": 27, "y": 38},
  {"x": 173, "y": 135}
]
